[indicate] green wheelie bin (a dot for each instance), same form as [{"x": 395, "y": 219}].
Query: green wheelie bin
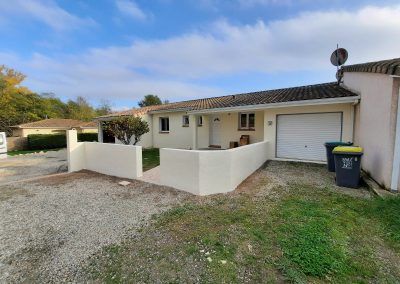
[{"x": 329, "y": 146}]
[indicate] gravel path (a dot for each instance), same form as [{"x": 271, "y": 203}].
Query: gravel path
[
  {"x": 48, "y": 228},
  {"x": 20, "y": 167}
]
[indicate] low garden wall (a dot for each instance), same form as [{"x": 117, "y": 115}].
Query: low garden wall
[
  {"x": 123, "y": 161},
  {"x": 210, "y": 172},
  {"x": 17, "y": 143}
]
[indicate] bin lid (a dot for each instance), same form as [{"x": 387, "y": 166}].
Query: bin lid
[
  {"x": 347, "y": 150},
  {"x": 338, "y": 143}
]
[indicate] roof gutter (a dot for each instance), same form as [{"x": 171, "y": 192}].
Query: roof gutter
[
  {"x": 170, "y": 110},
  {"x": 344, "y": 100}
]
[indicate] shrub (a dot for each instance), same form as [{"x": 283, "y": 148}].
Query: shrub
[
  {"x": 46, "y": 141},
  {"x": 53, "y": 141},
  {"x": 87, "y": 137}
]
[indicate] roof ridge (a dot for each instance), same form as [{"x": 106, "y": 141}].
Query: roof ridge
[{"x": 327, "y": 90}]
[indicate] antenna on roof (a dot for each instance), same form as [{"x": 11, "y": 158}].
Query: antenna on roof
[{"x": 338, "y": 58}]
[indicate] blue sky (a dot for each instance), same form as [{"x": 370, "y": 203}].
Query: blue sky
[{"x": 121, "y": 50}]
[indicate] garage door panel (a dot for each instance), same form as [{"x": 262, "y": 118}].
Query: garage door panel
[{"x": 301, "y": 136}]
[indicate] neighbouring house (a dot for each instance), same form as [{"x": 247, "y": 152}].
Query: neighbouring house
[
  {"x": 53, "y": 126},
  {"x": 296, "y": 121}
]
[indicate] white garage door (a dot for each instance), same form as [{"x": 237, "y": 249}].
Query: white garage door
[{"x": 302, "y": 136}]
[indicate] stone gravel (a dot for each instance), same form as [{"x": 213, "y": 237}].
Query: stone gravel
[
  {"x": 49, "y": 227},
  {"x": 15, "y": 168}
]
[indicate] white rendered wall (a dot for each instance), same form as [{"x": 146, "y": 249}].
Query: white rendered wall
[
  {"x": 210, "y": 172},
  {"x": 75, "y": 152},
  {"x": 111, "y": 159},
  {"x": 179, "y": 136},
  {"x": 375, "y": 121}
]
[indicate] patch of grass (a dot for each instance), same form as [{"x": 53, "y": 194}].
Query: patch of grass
[
  {"x": 150, "y": 158},
  {"x": 300, "y": 234},
  {"x": 386, "y": 211},
  {"x": 23, "y": 152},
  {"x": 307, "y": 238}
]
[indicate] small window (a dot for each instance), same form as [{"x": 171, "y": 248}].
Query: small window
[
  {"x": 185, "y": 121},
  {"x": 1, "y": 139},
  {"x": 247, "y": 121},
  {"x": 200, "y": 121},
  {"x": 164, "y": 124}
]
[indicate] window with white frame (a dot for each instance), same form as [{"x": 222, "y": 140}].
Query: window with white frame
[
  {"x": 247, "y": 121},
  {"x": 185, "y": 120},
  {"x": 164, "y": 124},
  {"x": 200, "y": 121}
]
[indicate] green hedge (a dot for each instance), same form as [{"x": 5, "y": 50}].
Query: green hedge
[
  {"x": 46, "y": 141},
  {"x": 52, "y": 141},
  {"x": 87, "y": 137}
]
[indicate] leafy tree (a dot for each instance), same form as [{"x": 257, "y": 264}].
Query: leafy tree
[
  {"x": 10, "y": 88},
  {"x": 19, "y": 105},
  {"x": 80, "y": 109},
  {"x": 126, "y": 128},
  {"x": 150, "y": 100},
  {"x": 104, "y": 108}
]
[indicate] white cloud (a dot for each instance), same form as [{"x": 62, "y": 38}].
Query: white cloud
[
  {"x": 172, "y": 67},
  {"x": 301, "y": 43},
  {"x": 46, "y": 11},
  {"x": 252, "y": 3},
  {"x": 130, "y": 8}
]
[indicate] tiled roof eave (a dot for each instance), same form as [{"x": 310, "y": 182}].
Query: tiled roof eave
[{"x": 348, "y": 99}]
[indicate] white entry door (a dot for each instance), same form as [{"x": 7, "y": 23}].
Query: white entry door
[
  {"x": 302, "y": 136},
  {"x": 215, "y": 135}
]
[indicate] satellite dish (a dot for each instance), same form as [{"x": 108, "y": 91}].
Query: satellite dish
[{"x": 339, "y": 56}]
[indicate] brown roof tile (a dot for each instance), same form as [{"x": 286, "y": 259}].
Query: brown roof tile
[
  {"x": 389, "y": 67},
  {"x": 57, "y": 123},
  {"x": 311, "y": 92}
]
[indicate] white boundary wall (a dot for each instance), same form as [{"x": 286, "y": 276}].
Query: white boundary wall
[
  {"x": 211, "y": 171},
  {"x": 123, "y": 161}
]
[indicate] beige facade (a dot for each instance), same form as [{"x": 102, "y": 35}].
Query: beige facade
[
  {"x": 271, "y": 114},
  {"x": 199, "y": 137},
  {"x": 181, "y": 137},
  {"x": 24, "y": 132},
  {"x": 375, "y": 121}
]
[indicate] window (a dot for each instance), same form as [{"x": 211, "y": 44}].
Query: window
[
  {"x": 1, "y": 139},
  {"x": 185, "y": 121},
  {"x": 247, "y": 121},
  {"x": 200, "y": 121},
  {"x": 164, "y": 124}
]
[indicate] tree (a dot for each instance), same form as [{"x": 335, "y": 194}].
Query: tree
[
  {"x": 126, "y": 128},
  {"x": 80, "y": 109},
  {"x": 10, "y": 92},
  {"x": 104, "y": 108},
  {"x": 150, "y": 100}
]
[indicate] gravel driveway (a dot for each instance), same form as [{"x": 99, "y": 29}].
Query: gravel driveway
[
  {"x": 50, "y": 226},
  {"x": 26, "y": 166}
]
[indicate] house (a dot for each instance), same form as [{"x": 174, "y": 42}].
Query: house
[
  {"x": 53, "y": 126},
  {"x": 296, "y": 121},
  {"x": 377, "y": 117}
]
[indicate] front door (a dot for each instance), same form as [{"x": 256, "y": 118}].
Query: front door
[{"x": 215, "y": 137}]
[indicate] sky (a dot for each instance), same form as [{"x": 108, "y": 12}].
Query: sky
[{"x": 121, "y": 50}]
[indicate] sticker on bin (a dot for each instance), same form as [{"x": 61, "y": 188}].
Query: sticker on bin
[{"x": 347, "y": 163}]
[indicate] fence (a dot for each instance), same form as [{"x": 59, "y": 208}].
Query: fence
[
  {"x": 210, "y": 172},
  {"x": 111, "y": 159}
]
